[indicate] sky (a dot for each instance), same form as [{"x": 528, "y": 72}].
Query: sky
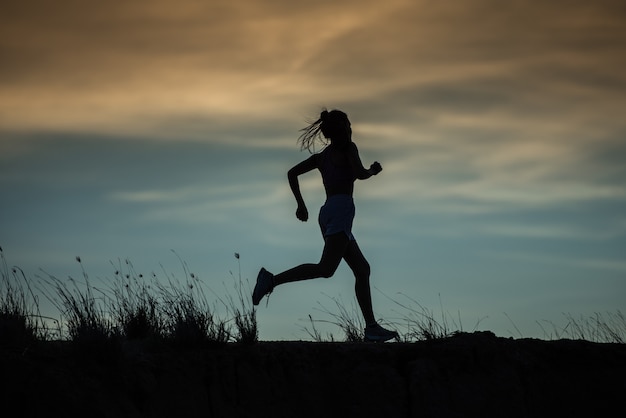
[{"x": 162, "y": 131}]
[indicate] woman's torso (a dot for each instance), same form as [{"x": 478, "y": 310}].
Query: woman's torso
[{"x": 337, "y": 174}]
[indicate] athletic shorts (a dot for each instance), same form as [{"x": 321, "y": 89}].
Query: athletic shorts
[{"x": 337, "y": 215}]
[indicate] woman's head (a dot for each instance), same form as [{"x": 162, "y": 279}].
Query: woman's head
[{"x": 334, "y": 126}]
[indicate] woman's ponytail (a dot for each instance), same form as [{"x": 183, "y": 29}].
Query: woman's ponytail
[{"x": 321, "y": 129}]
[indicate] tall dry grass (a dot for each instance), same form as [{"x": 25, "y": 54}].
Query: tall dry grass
[
  {"x": 155, "y": 307},
  {"x": 166, "y": 308}
]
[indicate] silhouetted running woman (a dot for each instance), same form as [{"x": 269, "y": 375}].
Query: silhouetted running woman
[{"x": 340, "y": 165}]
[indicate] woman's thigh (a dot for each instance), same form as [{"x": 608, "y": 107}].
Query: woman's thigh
[
  {"x": 356, "y": 260},
  {"x": 335, "y": 247}
]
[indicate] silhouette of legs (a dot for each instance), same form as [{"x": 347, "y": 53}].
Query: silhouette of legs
[
  {"x": 336, "y": 247},
  {"x": 361, "y": 269}
]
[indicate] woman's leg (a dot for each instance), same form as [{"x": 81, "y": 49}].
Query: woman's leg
[
  {"x": 361, "y": 269},
  {"x": 334, "y": 249}
]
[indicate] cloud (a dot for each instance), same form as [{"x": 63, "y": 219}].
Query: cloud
[
  {"x": 474, "y": 107},
  {"x": 561, "y": 231},
  {"x": 592, "y": 263},
  {"x": 121, "y": 66}
]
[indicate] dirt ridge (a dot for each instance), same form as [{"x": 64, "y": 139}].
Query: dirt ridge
[{"x": 469, "y": 374}]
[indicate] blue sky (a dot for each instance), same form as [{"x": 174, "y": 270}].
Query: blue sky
[{"x": 127, "y": 131}]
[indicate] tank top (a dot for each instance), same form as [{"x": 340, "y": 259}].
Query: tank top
[{"x": 336, "y": 178}]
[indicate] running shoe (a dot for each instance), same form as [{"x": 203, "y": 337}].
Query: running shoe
[
  {"x": 376, "y": 333},
  {"x": 264, "y": 285}
]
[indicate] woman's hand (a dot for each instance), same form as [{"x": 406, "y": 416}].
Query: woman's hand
[
  {"x": 375, "y": 168},
  {"x": 302, "y": 213}
]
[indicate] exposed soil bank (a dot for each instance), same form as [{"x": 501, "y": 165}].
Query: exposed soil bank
[{"x": 466, "y": 375}]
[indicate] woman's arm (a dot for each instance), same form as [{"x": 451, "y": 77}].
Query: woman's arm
[
  {"x": 359, "y": 171},
  {"x": 304, "y": 167}
]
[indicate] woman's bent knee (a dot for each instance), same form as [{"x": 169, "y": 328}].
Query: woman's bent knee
[{"x": 327, "y": 271}]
